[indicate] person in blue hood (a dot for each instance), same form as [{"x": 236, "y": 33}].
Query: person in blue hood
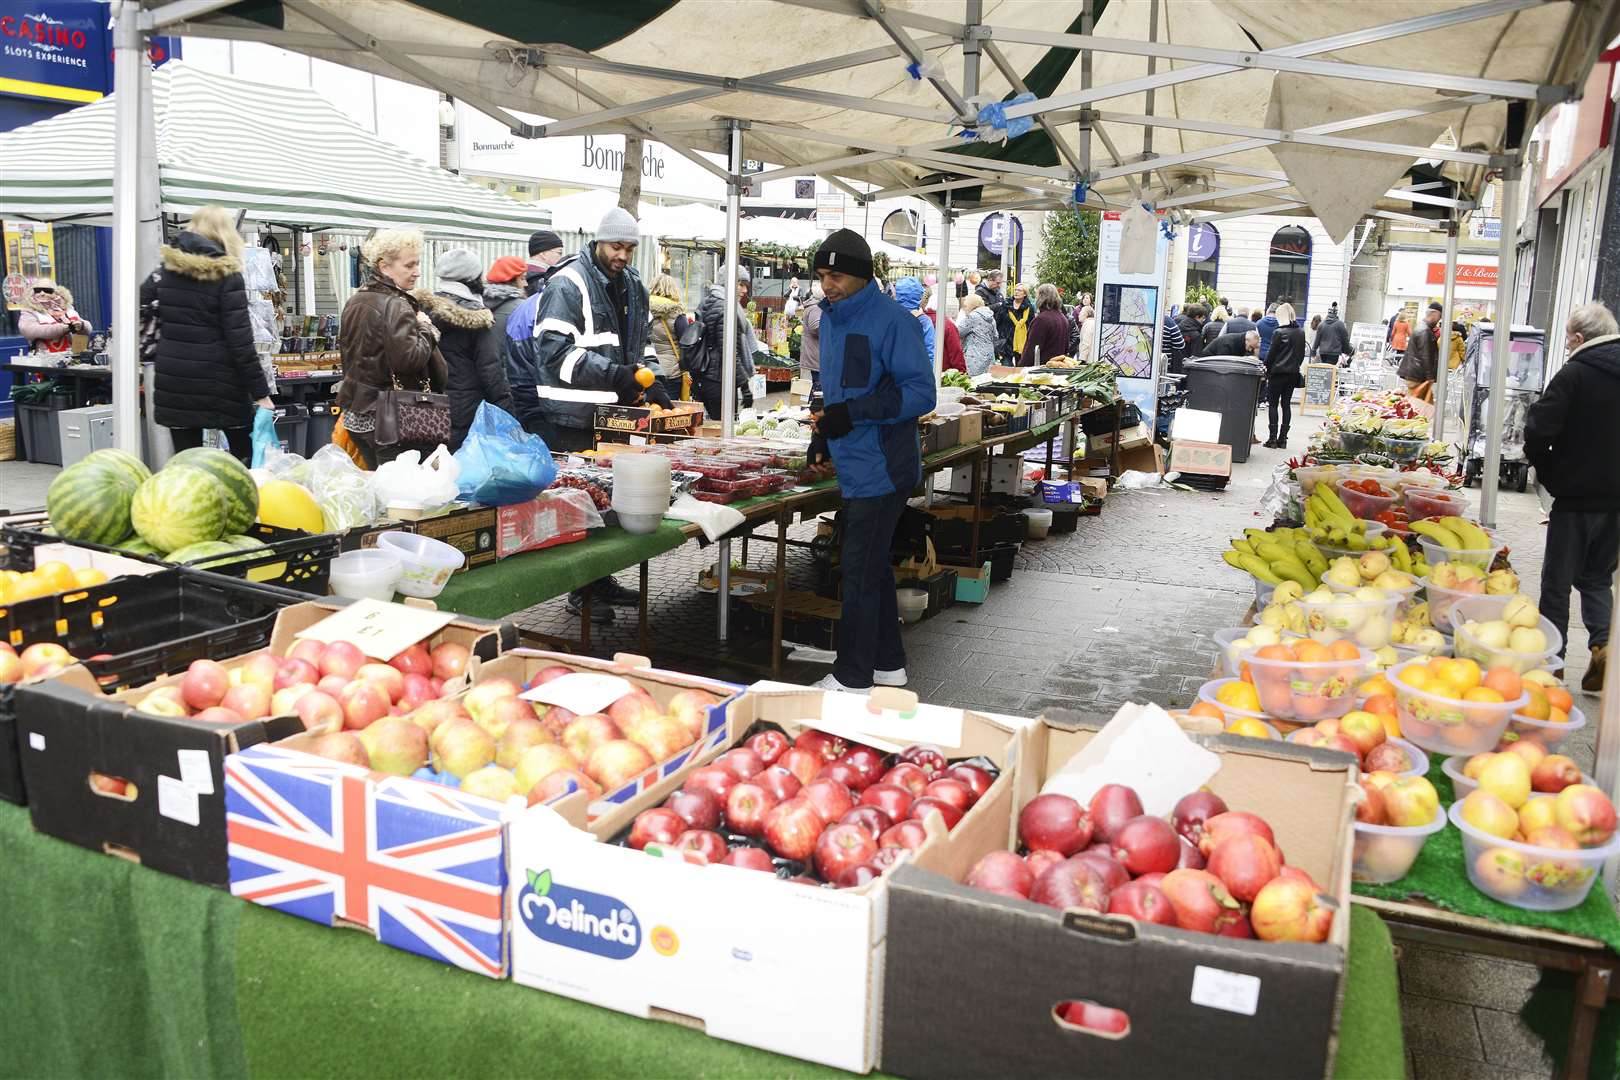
[
  {"x": 877, "y": 378},
  {"x": 908, "y": 293}
]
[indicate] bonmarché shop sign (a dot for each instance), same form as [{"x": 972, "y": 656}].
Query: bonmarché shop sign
[{"x": 61, "y": 50}]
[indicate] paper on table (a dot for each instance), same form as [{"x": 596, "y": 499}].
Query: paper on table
[
  {"x": 1142, "y": 748},
  {"x": 581, "y": 693},
  {"x": 380, "y": 630}
]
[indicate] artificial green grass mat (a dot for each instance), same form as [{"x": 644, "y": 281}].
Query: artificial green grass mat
[
  {"x": 110, "y": 969},
  {"x": 1371, "y": 1045}
]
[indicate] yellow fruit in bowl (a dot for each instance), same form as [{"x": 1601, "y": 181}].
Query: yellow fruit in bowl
[
  {"x": 1483, "y": 693},
  {"x": 1417, "y": 677},
  {"x": 1537, "y": 708},
  {"x": 1375, "y": 686},
  {"x": 1476, "y": 764},
  {"x": 1490, "y": 814},
  {"x": 1537, "y": 814},
  {"x": 1239, "y": 695},
  {"x": 1250, "y": 727},
  {"x": 1462, "y": 673},
  {"x": 1541, "y": 677},
  {"x": 1507, "y": 776}
]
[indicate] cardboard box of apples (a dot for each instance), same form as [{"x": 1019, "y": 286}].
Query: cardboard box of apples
[
  {"x": 140, "y": 772},
  {"x": 760, "y": 946},
  {"x": 1179, "y": 911}
]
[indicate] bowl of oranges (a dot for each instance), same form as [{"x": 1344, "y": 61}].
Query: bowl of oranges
[
  {"x": 1450, "y": 706},
  {"x": 1307, "y": 680}
]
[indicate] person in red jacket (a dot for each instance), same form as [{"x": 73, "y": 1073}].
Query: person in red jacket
[
  {"x": 1048, "y": 336},
  {"x": 953, "y": 360}
]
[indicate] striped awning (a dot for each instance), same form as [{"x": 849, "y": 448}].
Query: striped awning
[{"x": 283, "y": 154}]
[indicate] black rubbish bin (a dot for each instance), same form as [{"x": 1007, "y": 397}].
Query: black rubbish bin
[
  {"x": 322, "y": 420},
  {"x": 1228, "y": 385},
  {"x": 291, "y": 421}
]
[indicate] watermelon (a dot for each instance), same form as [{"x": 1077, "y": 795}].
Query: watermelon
[
  {"x": 178, "y": 506},
  {"x": 253, "y": 546},
  {"x": 122, "y": 459},
  {"x": 90, "y": 501},
  {"x": 136, "y": 546},
  {"x": 216, "y": 551},
  {"x": 243, "y": 543},
  {"x": 241, "y": 493}
]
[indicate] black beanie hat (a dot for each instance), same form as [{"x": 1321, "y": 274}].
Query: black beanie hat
[
  {"x": 846, "y": 252},
  {"x": 543, "y": 240}
]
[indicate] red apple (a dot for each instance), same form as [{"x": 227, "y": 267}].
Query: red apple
[
  {"x": 750, "y": 858},
  {"x": 585, "y": 734},
  {"x": 841, "y": 848},
  {"x": 389, "y": 678},
  {"x": 1191, "y": 858},
  {"x": 1095, "y": 1017},
  {"x": 921, "y": 808},
  {"x": 1111, "y": 807},
  {"x": 248, "y": 700},
  {"x": 1288, "y": 909},
  {"x": 1370, "y": 809},
  {"x": 1193, "y": 810},
  {"x": 1112, "y": 870},
  {"x": 545, "y": 674},
  {"x": 801, "y": 763},
  {"x": 632, "y": 708},
  {"x": 204, "y": 683},
  {"x": 1072, "y": 883},
  {"x": 792, "y": 828},
  {"x": 831, "y": 799},
  {"x": 1299, "y": 875},
  {"x": 320, "y": 712},
  {"x": 1554, "y": 773},
  {"x": 698, "y": 808},
  {"x": 44, "y": 658},
  {"x": 714, "y": 779},
  {"x": 1146, "y": 844},
  {"x": 746, "y": 808},
  {"x": 1200, "y": 900},
  {"x": 769, "y": 745},
  {"x": 892, "y": 799},
  {"x": 418, "y": 690},
  {"x": 1232, "y": 823},
  {"x": 413, "y": 661},
  {"x": 827, "y": 747},
  {"x": 893, "y": 855},
  {"x": 292, "y": 671},
  {"x": 870, "y": 818},
  {"x": 342, "y": 658},
  {"x": 660, "y": 825},
  {"x": 974, "y": 777},
  {"x": 449, "y": 660},
  {"x": 852, "y": 877},
  {"x": 778, "y": 781},
  {"x": 309, "y": 650},
  {"x": 1040, "y": 860},
  {"x": 842, "y": 772},
  {"x": 909, "y": 776},
  {"x": 1151, "y": 879},
  {"x": 1241, "y": 928},
  {"x": 711, "y": 845},
  {"x": 363, "y": 703},
  {"x": 742, "y": 763},
  {"x": 868, "y": 761},
  {"x": 556, "y": 783},
  {"x": 332, "y": 684},
  {"x": 344, "y": 746},
  {"x": 218, "y": 714},
  {"x": 661, "y": 736},
  {"x": 928, "y": 758},
  {"x": 1054, "y": 822},
  {"x": 1245, "y": 863},
  {"x": 955, "y": 792},
  {"x": 1143, "y": 902},
  {"x": 614, "y": 764},
  {"x": 1001, "y": 872},
  {"x": 908, "y": 834}
]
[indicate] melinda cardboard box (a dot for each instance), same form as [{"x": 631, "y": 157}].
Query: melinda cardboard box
[
  {"x": 150, "y": 788},
  {"x": 740, "y": 954},
  {"x": 418, "y": 864},
  {"x": 1198, "y": 1004}
]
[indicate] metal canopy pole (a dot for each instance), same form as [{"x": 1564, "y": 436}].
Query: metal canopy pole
[
  {"x": 1442, "y": 370},
  {"x": 129, "y": 54},
  {"x": 942, "y": 281},
  {"x": 1501, "y": 344},
  {"x": 728, "y": 352}
]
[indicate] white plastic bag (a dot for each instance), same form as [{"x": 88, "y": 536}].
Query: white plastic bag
[
  {"x": 410, "y": 481},
  {"x": 347, "y": 495}
]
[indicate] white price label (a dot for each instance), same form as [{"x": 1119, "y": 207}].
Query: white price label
[
  {"x": 196, "y": 772},
  {"x": 1229, "y": 991},
  {"x": 36, "y": 740},
  {"x": 380, "y": 630},
  {"x": 581, "y": 693},
  {"x": 178, "y": 800}
]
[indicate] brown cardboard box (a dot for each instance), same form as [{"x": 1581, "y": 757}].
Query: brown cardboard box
[
  {"x": 1129, "y": 438},
  {"x": 1145, "y": 458},
  {"x": 1198, "y": 1004},
  {"x": 971, "y": 428},
  {"x": 1201, "y": 458}
]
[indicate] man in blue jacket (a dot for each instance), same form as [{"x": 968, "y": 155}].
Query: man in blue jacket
[{"x": 877, "y": 378}]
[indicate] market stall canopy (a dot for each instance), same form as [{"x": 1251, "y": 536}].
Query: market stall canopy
[
  {"x": 1243, "y": 105},
  {"x": 283, "y": 154}
]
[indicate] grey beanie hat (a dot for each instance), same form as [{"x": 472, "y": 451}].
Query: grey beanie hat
[
  {"x": 618, "y": 227},
  {"x": 458, "y": 264}
]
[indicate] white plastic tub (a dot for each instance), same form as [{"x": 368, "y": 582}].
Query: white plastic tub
[
  {"x": 1526, "y": 876},
  {"x": 426, "y": 563},
  {"x": 1482, "y": 609},
  {"x": 1040, "y": 522},
  {"x": 1453, "y": 767},
  {"x": 1307, "y": 691},
  {"x": 1368, "y": 623},
  {"x": 912, "y": 604},
  {"x": 1546, "y": 732},
  {"x": 1444, "y": 725},
  {"x": 366, "y": 574},
  {"x": 1443, "y": 599},
  {"x": 1385, "y": 853}
]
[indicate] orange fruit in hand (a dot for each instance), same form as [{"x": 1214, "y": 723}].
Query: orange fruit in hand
[{"x": 645, "y": 377}]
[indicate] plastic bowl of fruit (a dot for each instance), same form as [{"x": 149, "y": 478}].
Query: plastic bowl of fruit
[
  {"x": 1549, "y": 733},
  {"x": 1443, "y": 708},
  {"x": 1442, "y": 598},
  {"x": 1233, "y": 642},
  {"x": 1485, "y": 636},
  {"x": 1417, "y": 762},
  {"x": 1463, "y": 784},
  {"x": 1406, "y": 591},
  {"x": 1235, "y": 698},
  {"x": 1402, "y": 450},
  {"x": 1356, "y": 442},
  {"x": 1330, "y": 552},
  {"x": 1539, "y": 877},
  {"x": 1436, "y": 552},
  {"x": 1307, "y": 680},
  {"x": 1426, "y": 502},
  {"x": 1384, "y": 853},
  {"x": 1365, "y": 620},
  {"x": 1311, "y": 475},
  {"x": 1365, "y": 498}
]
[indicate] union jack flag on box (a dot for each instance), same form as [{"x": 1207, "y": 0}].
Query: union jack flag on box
[{"x": 420, "y": 865}]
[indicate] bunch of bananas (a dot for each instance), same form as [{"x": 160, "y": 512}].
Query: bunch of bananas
[
  {"x": 1278, "y": 556},
  {"x": 1454, "y": 532}
]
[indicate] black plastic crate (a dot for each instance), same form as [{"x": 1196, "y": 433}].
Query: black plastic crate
[
  {"x": 132, "y": 630},
  {"x": 1001, "y": 558},
  {"x": 300, "y": 560},
  {"x": 940, "y": 587},
  {"x": 1101, "y": 422}
]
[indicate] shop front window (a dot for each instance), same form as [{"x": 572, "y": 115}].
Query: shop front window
[
  {"x": 1203, "y": 255},
  {"x": 1289, "y": 276}
]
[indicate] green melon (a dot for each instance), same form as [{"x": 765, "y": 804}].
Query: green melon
[
  {"x": 136, "y": 546},
  {"x": 134, "y": 466},
  {"x": 251, "y": 546},
  {"x": 241, "y": 493},
  {"x": 217, "y": 552},
  {"x": 243, "y": 543},
  {"x": 178, "y": 506},
  {"x": 90, "y": 501}
]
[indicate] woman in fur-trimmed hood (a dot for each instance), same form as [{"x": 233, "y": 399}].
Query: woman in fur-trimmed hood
[
  {"x": 48, "y": 320},
  {"x": 208, "y": 374},
  {"x": 474, "y": 348}
]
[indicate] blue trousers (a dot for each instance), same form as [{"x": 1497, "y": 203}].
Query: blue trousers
[{"x": 869, "y": 628}]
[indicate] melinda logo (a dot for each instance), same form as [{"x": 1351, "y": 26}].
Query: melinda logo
[{"x": 578, "y": 919}]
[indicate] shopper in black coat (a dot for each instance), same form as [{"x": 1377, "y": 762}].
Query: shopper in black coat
[
  {"x": 474, "y": 347},
  {"x": 208, "y": 372},
  {"x": 1283, "y": 362}
]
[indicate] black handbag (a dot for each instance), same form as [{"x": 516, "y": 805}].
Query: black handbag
[{"x": 414, "y": 419}]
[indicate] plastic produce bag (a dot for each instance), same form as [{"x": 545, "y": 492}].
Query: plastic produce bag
[
  {"x": 264, "y": 435},
  {"x": 502, "y": 464},
  {"x": 347, "y": 496},
  {"x": 410, "y": 481}
]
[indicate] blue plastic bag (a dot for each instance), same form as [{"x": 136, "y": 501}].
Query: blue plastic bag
[
  {"x": 264, "y": 435},
  {"x": 502, "y": 464}
]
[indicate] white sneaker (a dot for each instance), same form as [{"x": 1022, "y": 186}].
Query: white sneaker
[
  {"x": 897, "y": 677},
  {"x": 827, "y": 682}
]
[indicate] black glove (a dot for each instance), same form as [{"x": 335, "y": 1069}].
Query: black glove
[
  {"x": 625, "y": 385},
  {"x": 657, "y": 395},
  {"x": 835, "y": 422}
]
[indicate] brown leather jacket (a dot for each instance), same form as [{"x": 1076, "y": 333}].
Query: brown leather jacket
[{"x": 381, "y": 341}]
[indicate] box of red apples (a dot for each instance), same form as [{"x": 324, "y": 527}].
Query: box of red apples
[
  {"x": 140, "y": 773},
  {"x": 398, "y": 827},
  {"x": 748, "y": 897},
  {"x": 1132, "y": 943}
]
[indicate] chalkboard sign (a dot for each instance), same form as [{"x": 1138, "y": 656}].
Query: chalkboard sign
[{"x": 1320, "y": 384}]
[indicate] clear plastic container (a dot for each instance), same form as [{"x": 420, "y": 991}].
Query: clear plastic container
[
  {"x": 1208, "y": 691},
  {"x": 1546, "y": 732},
  {"x": 1402, "y": 450},
  {"x": 366, "y": 574},
  {"x": 1307, "y": 691},
  {"x": 1406, "y": 594},
  {"x": 1262, "y": 592},
  {"x": 1230, "y": 660},
  {"x": 1445, "y": 725},
  {"x": 1419, "y": 761},
  {"x": 1422, "y": 502},
  {"x": 426, "y": 564},
  {"x": 1332, "y": 551},
  {"x": 639, "y": 523},
  {"x": 912, "y": 604},
  {"x": 1443, "y": 599},
  {"x": 1471, "y": 647},
  {"x": 1040, "y": 522},
  {"x": 1384, "y": 853},
  {"x": 1526, "y": 876},
  {"x": 1436, "y": 552},
  {"x": 1362, "y": 505},
  {"x": 1311, "y": 475},
  {"x": 1453, "y": 767},
  {"x": 1366, "y": 622}
]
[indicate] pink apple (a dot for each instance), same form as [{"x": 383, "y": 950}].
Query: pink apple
[
  {"x": 342, "y": 658},
  {"x": 546, "y": 674},
  {"x": 319, "y": 711},
  {"x": 44, "y": 658},
  {"x": 204, "y": 684},
  {"x": 449, "y": 660},
  {"x": 616, "y": 763},
  {"x": 418, "y": 689},
  {"x": 413, "y": 661},
  {"x": 261, "y": 670},
  {"x": 332, "y": 684},
  {"x": 363, "y": 703},
  {"x": 389, "y": 678},
  {"x": 249, "y": 700},
  {"x": 294, "y": 671},
  {"x": 218, "y": 714},
  {"x": 285, "y": 702},
  {"x": 308, "y": 649}
]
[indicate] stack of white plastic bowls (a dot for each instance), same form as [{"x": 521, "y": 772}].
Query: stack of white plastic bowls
[{"x": 640, "y": 491}]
